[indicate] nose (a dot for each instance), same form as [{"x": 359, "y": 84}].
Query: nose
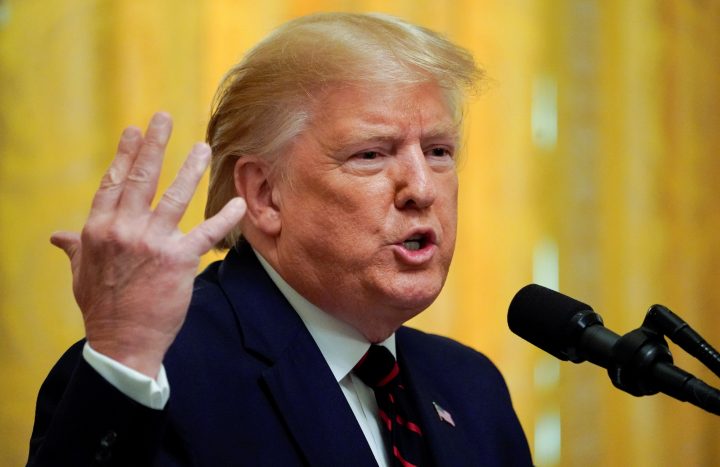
[{"x": 414, "y": 181}]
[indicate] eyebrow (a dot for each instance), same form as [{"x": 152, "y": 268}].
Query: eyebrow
[{"x": 390, "y": 134}]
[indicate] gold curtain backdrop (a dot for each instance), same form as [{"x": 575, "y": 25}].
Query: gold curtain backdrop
[{"x": 590, "y": 166}]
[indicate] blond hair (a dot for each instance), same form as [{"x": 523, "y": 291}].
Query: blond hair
[{"x": 266, "y": 100}]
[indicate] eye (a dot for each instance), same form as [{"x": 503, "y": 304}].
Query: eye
[
  {"x": 440, "y": 152},
  {"x": 368, "y": 155},
  {"x": 367, "y": 161}
]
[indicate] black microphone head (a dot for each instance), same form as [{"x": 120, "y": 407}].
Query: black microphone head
[{"x": 547, "y": 319}]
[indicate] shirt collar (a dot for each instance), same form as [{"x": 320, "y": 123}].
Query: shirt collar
[{"x": 341, "y": 345}]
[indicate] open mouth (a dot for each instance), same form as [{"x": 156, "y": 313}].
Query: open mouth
[{"x": 416, "y": 242}]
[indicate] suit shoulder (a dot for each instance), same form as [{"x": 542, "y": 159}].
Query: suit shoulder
[
  {"x": 207, "y": 281},
  {"x": 208, "y": 296}
]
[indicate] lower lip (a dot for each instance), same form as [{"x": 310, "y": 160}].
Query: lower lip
[{"x": 415, "y": 257}]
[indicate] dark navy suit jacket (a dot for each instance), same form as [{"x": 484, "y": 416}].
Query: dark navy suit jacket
[{"x": 249, "y": 387}]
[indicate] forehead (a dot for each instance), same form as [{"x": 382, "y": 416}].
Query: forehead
[{"x": 349, "y": 113}]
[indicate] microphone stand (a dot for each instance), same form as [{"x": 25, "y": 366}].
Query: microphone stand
[
  {"x": 642, "y": 364},
  {"x": 663, "y": 321}
]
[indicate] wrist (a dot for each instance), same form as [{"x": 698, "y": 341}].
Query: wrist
[{"x": 138, "y": 351}]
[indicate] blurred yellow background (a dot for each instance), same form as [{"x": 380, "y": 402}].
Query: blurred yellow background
[{"x": 591, "y": 166}]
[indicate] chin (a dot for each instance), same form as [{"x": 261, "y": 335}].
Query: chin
[
  {"x": 415, "y": 299},
  {"x": 399, "y": 305}
]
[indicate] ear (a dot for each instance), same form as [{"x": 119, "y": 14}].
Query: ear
[{"x": 253, "y": 182}]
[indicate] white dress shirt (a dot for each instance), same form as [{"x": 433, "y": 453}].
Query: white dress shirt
[{"x": 341, "y": 345}]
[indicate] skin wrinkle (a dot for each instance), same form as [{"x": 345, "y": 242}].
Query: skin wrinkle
[
  {"x": 363, "y": 210},
  {"x": 292, "y": 67},
  {"x": 347, "y": 136},
  {"x": 373, "y": 130}
]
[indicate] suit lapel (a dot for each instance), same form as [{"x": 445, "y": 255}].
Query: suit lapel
[
  {"x": 448, "y": 444},
  {"x": 298, "y": 379},
  {"x": 315, "y": 408}
]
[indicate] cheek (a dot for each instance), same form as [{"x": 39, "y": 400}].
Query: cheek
[
  {"x": 335, "y": 231},
  {"x": 350, "y": 206},
  {"x": 447, "y": 216},
  {"x": 449, "y": 202}
]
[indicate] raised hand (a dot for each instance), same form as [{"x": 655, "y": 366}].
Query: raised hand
[{"x": 132, "y": 268}]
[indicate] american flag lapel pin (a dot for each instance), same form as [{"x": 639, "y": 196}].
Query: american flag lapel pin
[{"x": 444, "y": 415}]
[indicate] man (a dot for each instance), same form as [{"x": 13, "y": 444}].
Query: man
[{"x": 333, "y": 184}]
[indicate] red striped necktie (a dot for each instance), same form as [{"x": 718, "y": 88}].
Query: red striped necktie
[{"x": 379, "y": 370}]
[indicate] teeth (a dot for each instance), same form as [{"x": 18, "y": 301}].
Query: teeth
[
  {"x": 411, "y": 244},
  {"x": 415, "y": 242}
]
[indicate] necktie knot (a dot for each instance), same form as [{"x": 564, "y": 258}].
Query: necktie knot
[{"x": 377, "y": 368}]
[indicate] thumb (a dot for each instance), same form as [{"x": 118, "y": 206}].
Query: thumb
[
  {"x": 67, "y": 242},
  {"x": 202, "y": 238}
]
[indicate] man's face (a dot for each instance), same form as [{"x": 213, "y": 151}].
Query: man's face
[{"x": 369, "y": 205}]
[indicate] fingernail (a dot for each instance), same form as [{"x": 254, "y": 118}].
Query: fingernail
[
  {"x": 130, "y": 134},
  {"x": 160, "y": 118},
  {"x": 53, "y": 238},
  {"x": 200, "y": 149},
  {"x": 237, "y": 203}
]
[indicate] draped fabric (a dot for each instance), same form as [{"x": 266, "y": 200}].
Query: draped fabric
[{"x": 590, "y": 164}]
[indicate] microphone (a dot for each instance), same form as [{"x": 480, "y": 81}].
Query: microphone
[
  {"x": 560, "y": 325},
  {"x": 639, "y": 362}
]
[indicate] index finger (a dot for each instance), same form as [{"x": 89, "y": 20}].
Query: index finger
[{"x": 174, "y": 202}]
